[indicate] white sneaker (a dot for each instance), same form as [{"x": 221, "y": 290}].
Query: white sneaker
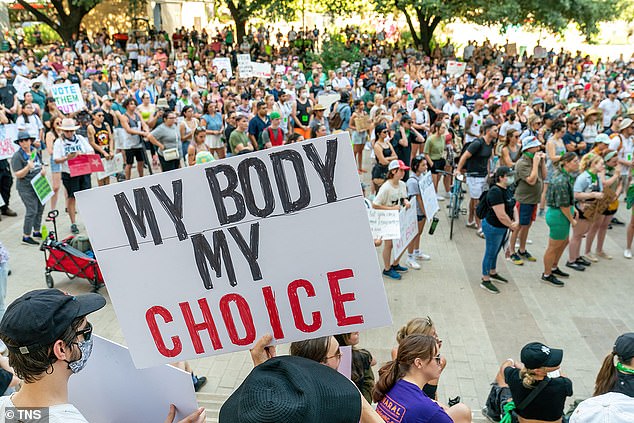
[
  {"x": 440, "y": 197},
  {"x": 418, "y": 254},
  {"x": 411, "y": 262},
  {"x": 627, "y": 254}
]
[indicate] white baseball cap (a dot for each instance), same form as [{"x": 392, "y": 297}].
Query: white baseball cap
[{"x": 612, "y": 407}]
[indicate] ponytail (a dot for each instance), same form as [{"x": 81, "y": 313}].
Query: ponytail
[
  {"x": 528, "y": 378},
  {"x": 389, "y": 374},
  {"x": 606, "y": 378}
]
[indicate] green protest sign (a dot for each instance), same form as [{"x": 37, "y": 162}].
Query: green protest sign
[{"x": 42, "y": 188}]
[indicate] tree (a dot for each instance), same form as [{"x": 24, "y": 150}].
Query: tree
[
  {"x": 243, "y": 10},
  {"x": 65, "y": 17},
  {"x": 424, "y": 16}
]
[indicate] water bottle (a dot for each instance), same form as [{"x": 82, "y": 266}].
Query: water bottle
[{"x": 434, "y": 223}]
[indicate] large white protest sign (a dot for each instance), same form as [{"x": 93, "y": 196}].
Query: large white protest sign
[
  {"x": 455, "y": 68},
  {"x": 223, "y": 63},
  {"x": 8, "y": 134},
  {"x": 111, "y": 167},
  {"x": 207, "y": 259},
  {"x": 328, "y": 100},
  {"x": 22, "y": 86},
  {"x": 245, "y": 69},
  {"x": 109, "y": 389},
  {"x": 68, "y": 98},
  {"x": 261, "y": 70},
  {"x": 408, "y": 229},
  {"x": 430, "y": 201}
]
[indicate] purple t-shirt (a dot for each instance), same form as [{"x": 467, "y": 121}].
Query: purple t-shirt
[{"x": 406, "y": 403}]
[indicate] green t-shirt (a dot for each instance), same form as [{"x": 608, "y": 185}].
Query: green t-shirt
[
  {"x": 236, "y": 138},
  {"x": 435, "y": 146}
]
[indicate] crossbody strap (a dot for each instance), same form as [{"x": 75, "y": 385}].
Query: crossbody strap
[{"x": 534, "y": 394}]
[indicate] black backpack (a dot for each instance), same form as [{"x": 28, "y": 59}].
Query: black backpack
[{"x": 483, "y": 206}]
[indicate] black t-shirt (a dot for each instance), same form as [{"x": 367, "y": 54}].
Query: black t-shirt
[
  {"x": 495, "y": 196},
  {"x": 480, "y": 155},
  {"x": 403, "y": 153},
  {"x": 548, "y": 404}
]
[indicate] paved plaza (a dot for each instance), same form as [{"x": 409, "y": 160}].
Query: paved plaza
[{"x": 479, "y": 329}]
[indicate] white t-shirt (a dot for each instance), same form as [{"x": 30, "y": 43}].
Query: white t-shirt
[
  {"x": 61, "y": 413},
  {"x": 508, "y": 125},
  {"x": 625, "y": 148},
  {"x": 476, "y": 122},
  {"x": 64, "y": 147},
  {"x": 389, "y": 195},
  {"x": 609, "y": 108}
]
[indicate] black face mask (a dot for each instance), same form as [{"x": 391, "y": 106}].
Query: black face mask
[{"x": 624, "y": 384}]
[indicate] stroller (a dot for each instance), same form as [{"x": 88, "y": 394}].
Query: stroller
[{"x": 60, "y": 256}]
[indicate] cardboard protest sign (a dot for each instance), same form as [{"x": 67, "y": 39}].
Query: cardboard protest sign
[
  {"x": 68, "y": 98},
  {"x": 205, "y": 260},
  {"x": 384, "y": 224},
  {"x": 540, "y": 52},
  {"x": 245, "y": 70},
  {"x": 8, "y": 134},
  {"x": 223, "y": 63},
  {"x": 345, "y": 364},
  {"x": 430, "y": 201},
  {"x": 363, "y": 123},
  {"x": 85, "y": 164},
  {"x": 261, "y": 70},
  {"x": 455, "y": 68},
  {"x": 112, "y": 166},
  {"x": 22, "y": 86},
  {"x": 42, "y": 188},
  {"x": 110, "y": 389},
  {"x": 328, "y": 100},
  {"x": 511, "y": 49},
  {"x": 408, "y": 224}
]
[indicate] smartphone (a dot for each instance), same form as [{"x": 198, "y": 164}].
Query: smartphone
[{"x": 554, "y": 374}]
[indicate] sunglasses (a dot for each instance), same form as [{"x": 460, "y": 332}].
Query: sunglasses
[
  {"x": 85, "y": 332},
  {"x": 438, "y": 358}
]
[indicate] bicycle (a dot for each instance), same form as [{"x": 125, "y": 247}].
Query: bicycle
[{"x": 455, "y": 199}]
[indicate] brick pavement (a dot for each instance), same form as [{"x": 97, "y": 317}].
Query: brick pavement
[{"x": 479, "y": 329}]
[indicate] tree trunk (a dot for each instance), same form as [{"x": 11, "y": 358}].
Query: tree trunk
[
  {"x": 241, "y": 29},
  {"x": 68, "y": 24}
]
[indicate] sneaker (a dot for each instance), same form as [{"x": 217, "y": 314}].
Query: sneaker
[
  {"x": 490, "y": 417},
  {"x": 399, "y": 268},
  {"x": 9, "y": 212},
  {"x": 440, "y": 197},
  {"x": 37, "y": 235},
  {"x": 488, "y": 286},
  {"x": 497, "y": 277},
  {"x": 604, "y": 255},
  {"x": 411, "y": 262},
  {"x": 473, "y": 225},
  {"x": 516, "y": 259},
  {"x": 616, "y": 221},
  {"x": 551, "y": 279},
  {"x": 541, "y": 213},
  {"x": 480, "y": 234},
  {"x": 576, "y": 266},
  {"x": 583, "y": 261},
  {"x": 558, "y": 272},
  {"x": 74, "y": 229},
  {"x": 527, "y": 256},
  {"x": 27, "y": 240},
  {"x": 627, "y": 254},
  {"x": 393, "y": 274},
  {"x": 453, "y": 401},
  {"x": 418, "y": 254},
  {"x": 591, "y": 257},
  {"x": 199, "y": 383}
]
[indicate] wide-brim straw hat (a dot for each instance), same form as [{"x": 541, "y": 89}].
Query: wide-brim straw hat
[{"x": 68, "y": 125}]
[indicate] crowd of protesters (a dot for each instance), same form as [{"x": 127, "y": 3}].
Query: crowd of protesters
[{"x": 548, "y": 135}]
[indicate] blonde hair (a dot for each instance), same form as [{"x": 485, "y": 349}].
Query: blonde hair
[
  {"x": 418, "y": 325},
  {"x": 528, "y": 378},
  {"x": 588, "y": 160}
]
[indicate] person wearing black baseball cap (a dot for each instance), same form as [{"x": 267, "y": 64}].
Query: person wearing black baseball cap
[
  {"x": 539, "y": 376},
  {"x": 613, "y": 398},
  {"x": 48, "y": 339},
  {"x": 617, "y": 371}
]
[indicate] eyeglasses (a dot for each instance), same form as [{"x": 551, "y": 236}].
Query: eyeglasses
[
  {"x": 85, "y": 332},
  {"x": 337, "y": 355}
]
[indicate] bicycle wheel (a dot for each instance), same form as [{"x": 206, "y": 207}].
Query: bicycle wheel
[{"x": 454, "y": 211}]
